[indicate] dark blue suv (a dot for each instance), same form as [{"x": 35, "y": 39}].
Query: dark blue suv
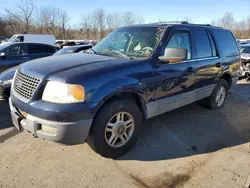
[
  {"x": 13, "y": 54},
  {"x": 135, "y": 73}
]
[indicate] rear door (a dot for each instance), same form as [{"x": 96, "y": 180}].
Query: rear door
[
  {"x": 208, "y": 62},
  {"x": 14, "y": 55}
]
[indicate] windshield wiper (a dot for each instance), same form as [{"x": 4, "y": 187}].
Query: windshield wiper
[
  {"x": 119, "y": 53},
  {"x": 93, "y": 51}
]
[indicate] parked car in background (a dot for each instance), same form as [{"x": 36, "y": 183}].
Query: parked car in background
[
  {"x": 245, "y": 61},
  {"x": 13, "y": 54},
  {"x": 74, "y": 49},
  {"x": 59, "y": 43},
  {"x": 2, "y": 39},
  {"x": 6, "y": 78},
  {"x": 7, "y": 75},
  {"x": 103, "y": 97},
  {"x": 32, "y": 38}
]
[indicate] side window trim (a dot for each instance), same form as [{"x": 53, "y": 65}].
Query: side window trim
[{"x": 212, "y": 44}]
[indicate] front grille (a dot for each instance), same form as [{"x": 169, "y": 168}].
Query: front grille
[{"x": 25, "y": 85}]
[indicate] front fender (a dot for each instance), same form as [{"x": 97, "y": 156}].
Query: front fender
[{"x": 118, "y": 86}]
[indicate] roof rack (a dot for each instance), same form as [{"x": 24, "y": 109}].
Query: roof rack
[
  {"x": 172, "y": 22},
  {"x": 180, "y": 22}
]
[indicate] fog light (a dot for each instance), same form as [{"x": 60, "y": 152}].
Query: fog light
[{"x": 49, "y": 129}]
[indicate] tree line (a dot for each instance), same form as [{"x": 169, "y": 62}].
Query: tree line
[{"x": 25, "y": 17}]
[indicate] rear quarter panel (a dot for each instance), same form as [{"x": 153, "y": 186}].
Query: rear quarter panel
[{"x": 228, "y": 51}]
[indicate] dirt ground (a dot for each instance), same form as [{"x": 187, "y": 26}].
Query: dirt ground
[{"x": 188, "y": 147}]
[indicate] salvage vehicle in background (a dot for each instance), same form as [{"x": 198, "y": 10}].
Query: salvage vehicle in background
[
  {"x": 13, "y": 54},
  {"x": 245, "y": 61},
  {"x": 103, "y": 97}
]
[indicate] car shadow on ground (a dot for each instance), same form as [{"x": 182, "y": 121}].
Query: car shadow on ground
[
  {"x": 5, "y": 119},
  {"x": 187, "y": 131}
]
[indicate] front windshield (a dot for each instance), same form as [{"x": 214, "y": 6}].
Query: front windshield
[
  {"x": 245, "y": 50},
  {"x": 12, "y": 38},
  {"x": 131, "y": 41},
  {"x": 65, "y": 51}
]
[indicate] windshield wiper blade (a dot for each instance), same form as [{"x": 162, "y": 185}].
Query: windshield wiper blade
[
  {"x": 93, "y": 51},
  {"x": 119, "y": 53}
]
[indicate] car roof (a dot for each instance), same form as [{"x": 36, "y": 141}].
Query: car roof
[
  {"x": 29, "y": 43},
  {"x": 177, "y": 24}
]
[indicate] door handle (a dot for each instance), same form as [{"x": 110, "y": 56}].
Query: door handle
[
  {"x": 190, "y": 69},
  {"x": 25, "y": 57},
  {"x": 218, "y": 64}
]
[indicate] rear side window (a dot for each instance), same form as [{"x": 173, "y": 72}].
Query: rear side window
[
  {"x": 48, "y": 49},
  {"x": 40, "y": 49},
  {"x": 202, "y": 42},
  {"x": 226, "y": 42}
]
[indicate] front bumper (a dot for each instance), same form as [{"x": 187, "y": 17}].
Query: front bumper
[{"x": 63, "y": 132}]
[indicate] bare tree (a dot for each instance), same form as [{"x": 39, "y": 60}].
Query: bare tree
[
  {"x": 188, "y": 19},
  {"x": 63, "y": 22},
  {"x": 40, "y": 21},
  {"x": 113, "y": 21},
  {"x": 130, "y": 18},
  {"x": 227, "y": 21},
  {"x": 51, "y": 19},
  {"x": 248, "y": 26},
  {"x": 101, "y": 19},
  {"x": 24, "y": 13},
  {"x": 90, "y": 23}
]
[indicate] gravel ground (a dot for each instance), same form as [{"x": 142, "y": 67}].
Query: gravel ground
[{"x": 188, "y": 147}]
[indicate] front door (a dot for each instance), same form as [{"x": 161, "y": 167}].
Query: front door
[
  {"x": 175, "y": 81},
  {"x": 14, "y": 55}
]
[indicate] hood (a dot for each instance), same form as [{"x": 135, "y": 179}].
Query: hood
[{"x": 55, "y": 65}]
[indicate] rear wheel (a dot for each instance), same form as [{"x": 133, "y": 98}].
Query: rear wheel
[
  {"x": 217, "y": 99},
  {"x": 115, "y": 128}
]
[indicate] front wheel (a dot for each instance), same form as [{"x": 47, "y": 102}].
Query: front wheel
[
  {"x": 217, "y": 99},
  {"x": 115, "y": 128}
]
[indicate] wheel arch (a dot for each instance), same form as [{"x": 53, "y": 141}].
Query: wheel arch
[
  {"x": 126, "y": 95},
  {"x": 227, "y": 76}
]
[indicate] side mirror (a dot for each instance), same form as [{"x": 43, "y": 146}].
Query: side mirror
[
  {"x": 173, "y": 55},
  {"x": 3, "y": 55}
]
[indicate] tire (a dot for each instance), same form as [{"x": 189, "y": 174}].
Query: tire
[
  {"x": 210, "y": 102},
  {"x": 99, "y": 136}
]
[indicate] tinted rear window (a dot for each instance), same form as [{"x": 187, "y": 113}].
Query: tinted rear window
[
  {"x": 226, "y": 42},
  {"x": 41, "y": 49},
  {"x": 203, "y": 46}
]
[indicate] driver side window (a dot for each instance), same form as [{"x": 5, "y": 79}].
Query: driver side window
[
  {"x": 17, "y": 50},
  {"x": 180, "y": 39}
]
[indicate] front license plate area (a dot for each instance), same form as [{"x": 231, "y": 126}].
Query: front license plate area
[{"x": 16, "y": 121}]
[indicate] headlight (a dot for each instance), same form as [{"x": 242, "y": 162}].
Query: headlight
[{"x": 58, "y": 92}]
